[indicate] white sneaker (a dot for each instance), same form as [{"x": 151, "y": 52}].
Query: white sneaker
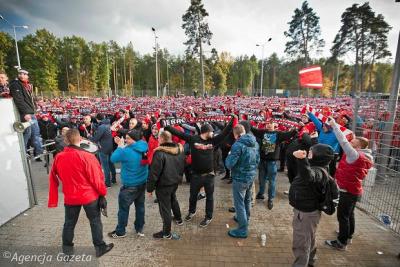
[{"x": 140, "y": 234}]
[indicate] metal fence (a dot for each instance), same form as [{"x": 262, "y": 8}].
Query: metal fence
[{"x": 381, "y": 197}]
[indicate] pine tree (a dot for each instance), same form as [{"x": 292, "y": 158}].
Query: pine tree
[{"x": 304, "y": 33}]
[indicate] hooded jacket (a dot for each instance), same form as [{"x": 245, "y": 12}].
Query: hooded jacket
[
  {"x": 81, "y": 176},
  {"x": 167, "y": 166},
  {"x": 103, "y": 137},
  {"x": 353, "y": 166},
  {"x": 133, "y": 173},
  {"x": 244, "y": 158},
  {"x": 328, "y": 137},
  {"x": 305, "y": 192}
]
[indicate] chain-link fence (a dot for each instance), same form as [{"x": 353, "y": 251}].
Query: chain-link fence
[{"x": 381, "y": 196}]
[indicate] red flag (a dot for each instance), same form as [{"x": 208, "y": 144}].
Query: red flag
[{"x": 311, "y": 77}]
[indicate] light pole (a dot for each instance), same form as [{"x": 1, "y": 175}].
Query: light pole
[
  {"x": 262, "y": 65},
  {"x": 15, "y": 37},
  {"x": 156, "y": 48}
]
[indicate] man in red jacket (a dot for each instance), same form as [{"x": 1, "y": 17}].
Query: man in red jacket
[
  {"x": 82, "y": 184},
  {"x": 352, "y": 169}
]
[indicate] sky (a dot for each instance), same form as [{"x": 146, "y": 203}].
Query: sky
[{"x": 237, "y": 25}]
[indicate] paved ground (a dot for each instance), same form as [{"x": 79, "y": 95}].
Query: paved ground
[{"x": 41, "y": 226}]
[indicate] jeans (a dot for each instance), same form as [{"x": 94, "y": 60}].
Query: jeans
[
  {"x": 92, "y": 211},
  {"x": 166, "y": 201},
  {"x": 108, "y": 167},
  {"x": 345, "y": 216},
  {"x": 242, "y": 192},
  {"x": 267, "y": 171},
  {"x": 127, "y": 196},
  {"x": 196, "y": 183},
  {"x": 33, "y": 133}
]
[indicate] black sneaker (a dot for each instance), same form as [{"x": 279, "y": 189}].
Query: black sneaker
[
  {"x": 156, "y": 200},
  {"x": 336, "y": 244},
  {"x": 201, "y": 196},
  {"x": 103, "y": 250},
  {"x": 229, "y": 181},
  {"x": 108, "y": 185},
  {"x": 161, "y": 234},
  {"x": 204, "y": 223},
  {"x": 232, "y": 209},
  {"x": 190, "y": 216},
  {"x": 38, "y": 160},
  {"x": 114, "y": 235},
  {"x": 259, "y": 196},
  {"x": 270, "y": 204},
  {"x": 179, "y": 222}
]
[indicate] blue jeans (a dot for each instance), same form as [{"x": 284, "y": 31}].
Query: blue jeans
[
  {"x": 127, "y": 196},
  {"x": 108, "y": 167},
  {"x": 267, "y": 171},
  {"x": 33, "y": 133},
  {"x": 242, "y": 200}
]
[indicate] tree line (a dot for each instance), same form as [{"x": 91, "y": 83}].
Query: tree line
[{"x": 358, "y": 61}]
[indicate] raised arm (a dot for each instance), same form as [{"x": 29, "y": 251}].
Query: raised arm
[
  {"x": 259, "y": 133},
  {"x": 316, "y": 121},
  {"x": 179, "y": 134},
  {"x": 227, "y": 130},
  {"x": 351, "y": 154},
  {"x": 285, "y": 136}
]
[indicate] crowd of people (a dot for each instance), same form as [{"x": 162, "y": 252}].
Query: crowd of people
[{"x": 159, "y": 141}]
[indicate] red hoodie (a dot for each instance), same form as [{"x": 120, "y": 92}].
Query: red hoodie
[{"x": 81, "y": 177}]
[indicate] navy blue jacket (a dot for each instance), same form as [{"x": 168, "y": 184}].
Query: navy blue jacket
[
  {"x": 103, "y": 137},
  {"x": 244, "y": 158}
]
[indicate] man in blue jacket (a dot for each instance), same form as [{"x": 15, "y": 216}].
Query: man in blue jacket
[
  {"x": 326, "y": 136},
  {"x": 104, "y": 140},
  {"x": 133, "y": 177},
  {"x": 243, "y": 162}
]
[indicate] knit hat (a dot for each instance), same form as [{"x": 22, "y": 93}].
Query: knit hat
[
  {"x": 205, "y": 128},
  {"x": 321, "y": 155},
  {"x": 136, "y": 135}
]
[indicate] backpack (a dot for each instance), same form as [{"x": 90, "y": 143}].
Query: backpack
[{"x": 330, "y": 193}]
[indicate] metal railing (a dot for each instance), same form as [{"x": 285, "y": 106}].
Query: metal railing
[{"x": 381, "y": 197}]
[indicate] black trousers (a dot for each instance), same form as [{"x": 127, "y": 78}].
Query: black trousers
[
  {"x": 197, "y": 182},
  {"x": 282, "y": 155},
  {"x": 92, "y": 211},
  {"x": 166, "y": 201},
  {"x": 345, "y": 216},
  {"x": 225, "y": 153},
  {"x": 332, "y": 165}
]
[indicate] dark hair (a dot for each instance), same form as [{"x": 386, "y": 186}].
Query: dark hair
[
  {"x": 136, "y": 135},
  {"x": 100, "y": 116}
]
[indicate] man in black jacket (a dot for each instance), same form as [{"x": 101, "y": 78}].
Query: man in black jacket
[
  {"x": 269, "y": 154},
  {"x": 305, "y": 196},
  {"x": 48, "y": 130},
  {"x": 166, "y": 172},
  {"x": 21, "y": 91},
  {"x": 202, "y": 151}
]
